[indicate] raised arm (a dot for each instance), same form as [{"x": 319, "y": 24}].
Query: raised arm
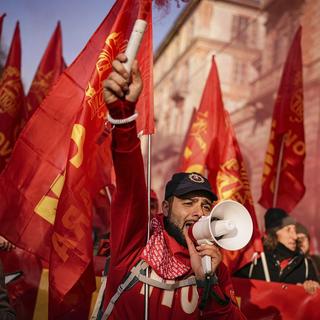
[{"x": 129, "y": 206}]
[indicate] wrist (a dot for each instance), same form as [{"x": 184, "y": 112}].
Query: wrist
[
  {"x": 121, "y": 109},
  {"x": 207, "y": 281},
  {"x": 123, "y": 120}
]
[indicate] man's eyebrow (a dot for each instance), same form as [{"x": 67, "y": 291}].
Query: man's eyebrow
[
  {"x": 193, "y": 198},
  {"x": 207, "y": 201}
]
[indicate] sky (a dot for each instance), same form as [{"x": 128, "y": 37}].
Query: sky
[{"x": 79, "y": 19}]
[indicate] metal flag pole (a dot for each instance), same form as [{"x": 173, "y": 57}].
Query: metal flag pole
[
  {"x": 274, "y": 204},
  {"x": 276, "y": 187},
  {"x": 146, "y": 286},
  {"x": 131, "y": 52},
  {"x": 265, "y": 266},
  {"x": 94, "y": 315}
]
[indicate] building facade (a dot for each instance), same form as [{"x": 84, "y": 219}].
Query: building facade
[
  {"x": 233, "y": 31},
  {"x": 251, "y": 40},
  {"x": 252, "y": 122}
]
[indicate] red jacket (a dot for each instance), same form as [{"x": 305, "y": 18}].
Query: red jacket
[{"x": 128, "y": 239}]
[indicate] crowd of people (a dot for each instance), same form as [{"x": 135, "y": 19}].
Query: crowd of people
[
  {"x": 173, "y": 260},
  {"x": 287, "y": 258},
  {"x": 169, "y": 262}
]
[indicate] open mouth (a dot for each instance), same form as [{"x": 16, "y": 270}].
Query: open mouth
[{"x": 188, "y": 224}]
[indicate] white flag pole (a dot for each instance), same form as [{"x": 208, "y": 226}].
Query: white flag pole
[{"x": 279, "y": 164}]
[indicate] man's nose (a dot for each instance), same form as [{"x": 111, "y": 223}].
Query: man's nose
[{"x": 198, "y": 211}]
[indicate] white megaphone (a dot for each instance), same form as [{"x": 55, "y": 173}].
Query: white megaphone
[{"x": 229, "y": 225}]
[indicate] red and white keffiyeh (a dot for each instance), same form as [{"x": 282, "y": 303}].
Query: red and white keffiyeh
[{"x": 159, "y": 257}]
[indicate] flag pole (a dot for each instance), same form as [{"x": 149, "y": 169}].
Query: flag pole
[
  {"x": 265, "y": 266},
  {"x": 276, "y": 187},
  {"x": 106, "y": 188},
  {"x": 99, "y": 300},
  {"x": 131, "y": 52},
  {"x": 146, "y": 286},
  {"x": 274, "y": 204}
]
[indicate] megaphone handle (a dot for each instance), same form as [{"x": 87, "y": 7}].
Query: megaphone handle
[
  {"x": 134, "y": 42},
  {"x": 206, "y": 264},
  {"x": 206, "y": 260}
]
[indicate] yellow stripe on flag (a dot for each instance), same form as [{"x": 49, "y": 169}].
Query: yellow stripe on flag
[{"x": 41, "y": 308}]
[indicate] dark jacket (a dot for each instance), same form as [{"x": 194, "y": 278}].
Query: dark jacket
[
  {"x": 6, "y": 311},
  {"x": 294, "y": 272},
  {"x": 315, "y": 259}
]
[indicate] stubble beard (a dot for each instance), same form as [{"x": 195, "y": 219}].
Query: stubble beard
[{"x": 175, "y": 232}]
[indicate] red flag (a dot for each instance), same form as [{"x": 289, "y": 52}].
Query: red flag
[
  {"x": 49, "y": 69},
  {"x": 145, "y": 121},
  {"x": 286, "y": 148},
  {"x": 187, "y": 143},
  {"x": 11, "y": 99},
  {"x": 25, "y": 270},
  {"x": 73, "y": 225},
  {"x": 261, "y": 300},
  {"x": 200, "y": 134},
  {"x": 227, "y": 173},
  {"x": 53, "y": 189}
]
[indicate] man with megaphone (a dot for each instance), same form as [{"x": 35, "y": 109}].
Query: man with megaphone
[{"x": 170, "y": 263}]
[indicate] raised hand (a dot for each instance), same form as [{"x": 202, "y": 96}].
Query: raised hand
[
  {"x": 5, "y": 245},
  {"x": 121, "y": 85},
  {"x": 311, "y": 286}
]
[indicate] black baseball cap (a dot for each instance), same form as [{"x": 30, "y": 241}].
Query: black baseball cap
[{"x": 182, "y": 183}]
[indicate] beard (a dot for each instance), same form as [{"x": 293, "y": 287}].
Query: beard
[{"x": 175, "y": 232}]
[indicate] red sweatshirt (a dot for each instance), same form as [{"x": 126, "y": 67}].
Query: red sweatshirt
[{"x": 128, "y": 239}]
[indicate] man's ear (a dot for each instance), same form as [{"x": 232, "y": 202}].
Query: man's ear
[{"x": 165, "y": 207}]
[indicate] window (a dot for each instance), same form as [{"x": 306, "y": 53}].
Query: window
[
  {"x": 240, "y": 72},
  {"x": 239, "y": 29},
  {"x": 244, "y": 30}
]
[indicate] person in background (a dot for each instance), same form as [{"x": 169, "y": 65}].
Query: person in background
[
  {"x": 286, "y": 263},
  {"x": 304, "y": 244},
  {"x": 5, "y": 245}
]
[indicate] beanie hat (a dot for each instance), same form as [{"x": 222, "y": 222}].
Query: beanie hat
[{"x": 277, "y": 218}]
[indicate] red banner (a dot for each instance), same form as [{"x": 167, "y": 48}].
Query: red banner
[
  {"x": 260, "y": 300},
  {"x": 71, "y": 259},
  {"x": 286, "y": 148},
  {"x": 49, "y": 69},
  {"x": 49, "y": 194},
  {"x": 11, "y": 99},
  {"x": 24, "y": 270},
  {"x": 227, "y": 173},
  {"x": 145, "y": 121},
  {"x": 28, "y": 285},
  {"x": 187, "y": 143},
  {"x": 200, "y": 134}
]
